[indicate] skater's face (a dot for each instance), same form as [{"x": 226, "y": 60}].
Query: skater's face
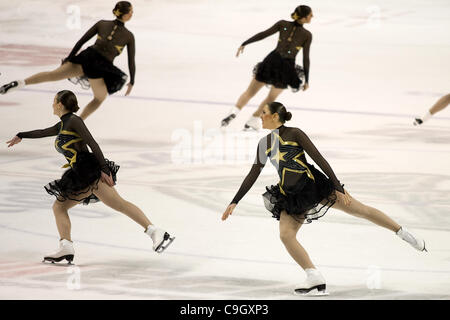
[
  {"x": 127, "y": 17},
  {"x": 307, "y": 19},
  {"x": 58, "y": 107},
  {"x": 269, "y": 120}
]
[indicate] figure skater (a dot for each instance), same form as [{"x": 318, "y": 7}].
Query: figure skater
[
  {"x": 441, "y": 104},
  {"x": 304, "y": 193},
  {"x": 89, "y": 179},
  {"x": 278, "y": 69},
  {"x": 93, "y": 67}
]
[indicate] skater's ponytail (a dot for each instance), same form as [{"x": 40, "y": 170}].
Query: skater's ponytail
[
  {"x": 121, "y": 8},
  {"x": 301, "y": 12},
  {"x": 68, "y": 100},
  {"x": 283, "y": 114}
]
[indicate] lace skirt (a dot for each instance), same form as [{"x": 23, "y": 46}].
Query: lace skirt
[
  {"x": 79, "y": 182},
  {"x": 279, "y": 72},
  {"x": 96, "y": 66},
  {"x": 305, "y": 202}
]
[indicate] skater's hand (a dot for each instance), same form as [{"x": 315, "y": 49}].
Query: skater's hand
[
  {"x": 346, "y": 198},
  {"x": 240, "y": 50},
  {"x": 305, "y": 87},
  {"x": 228, "y": 211},
  {"x": 107, "y": 179},
  {"x": 130, "y": 86},
  {"x": 13, "y": 141}
]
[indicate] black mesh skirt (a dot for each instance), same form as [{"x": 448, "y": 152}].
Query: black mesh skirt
[
  {"x": 96, "y": 66},
  {"x": 79, "y": 182},
  {"x": 305, "y": 202},
  {"x": 279, "y": 72}
]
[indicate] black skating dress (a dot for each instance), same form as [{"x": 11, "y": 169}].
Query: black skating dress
[
  {"x": 81, "y": 179},
  {"x": 97, "y": 60},
  {"x": 303, "y": 191},
  {"x": 278, "y": 68}
]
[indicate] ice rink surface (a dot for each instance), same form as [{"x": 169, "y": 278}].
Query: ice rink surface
[{"x": 375, "y": 65}]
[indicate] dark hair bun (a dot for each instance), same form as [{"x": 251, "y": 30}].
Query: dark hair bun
[
  {"x": 283, "y": 114},
  {"x": 288, "y": 116},
  {"x": 121, "y": 8},
  {"x": 301, "y": 12},
  {"x": 68, "y": 100}
]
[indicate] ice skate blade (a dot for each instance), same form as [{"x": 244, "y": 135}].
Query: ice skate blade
[
  {"x": 9, "y": 86},
  {"x": 247, "y": 128},
  {"x": 319, "y": 290},
  {"x": 165, "y": 243},
  {"x": 68, "y": 257}
]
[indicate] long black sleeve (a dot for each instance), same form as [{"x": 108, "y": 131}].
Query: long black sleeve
[
  {"x": 77, "y": 124},
  {"x": 85, "y": 38},
  {"x": 263, "y": 34},
  {"x": 306, "y": 48},
  {"x": 131, "y": 50},
  {"x": 260, "y": 162},
  {"x": 41, "y": 133},
  {"x": 315, "y": 155}
]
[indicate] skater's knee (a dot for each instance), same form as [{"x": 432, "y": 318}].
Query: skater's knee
[
  {"x": 287, "y": 235},
  {"x": 98, "y": 99},
  {"x": 59, "y": 206}
]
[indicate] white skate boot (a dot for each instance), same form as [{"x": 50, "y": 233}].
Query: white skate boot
[
  {"x": 416, "y": 242},
  {"x": 226, "y": 121},
  {"x": 253, "y": 124},
  {"x": 13, "y": 85},
  {"x": 314, "y": 284},
  {"x": 65, "y": 251},
  {"x": 161, "y": 239}
]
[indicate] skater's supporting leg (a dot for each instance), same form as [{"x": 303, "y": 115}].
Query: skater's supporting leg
[
  {"x": 361, "y": 210},
  {"x": 100, "y": 93},
  {"x": 252, "y": 89},
  {"x": 288, "y": 233},
  {"x": 67, "y": 70},
  {"x": 60, "y": 210},
  {"x": 271, "y": 97},
  {"x": 109, "y": 196}
]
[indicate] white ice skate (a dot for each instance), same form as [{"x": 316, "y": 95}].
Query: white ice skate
[
  {"x": 226, "y": 121},
  {"x": 314, "y": 284},
  {"x": 161, "y": 239},
  {"x": 65, "y": 251},
  {"x": 414, "y": 241},
  {"x": 13, "y": 85},
  {"x": 417, "y": 121},
  {"x": 253, "y": 124}
]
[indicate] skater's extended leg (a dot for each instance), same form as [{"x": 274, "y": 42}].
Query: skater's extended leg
[
  {"x": 360, "y": 210},
  {"x": 100, "y": 93},
  {"x": 440, "y": 104},
  {"x": 109, "y": 196},
  {"x": 65, "y": 71}
]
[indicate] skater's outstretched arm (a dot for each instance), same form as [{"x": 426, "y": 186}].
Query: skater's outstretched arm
[
  {"x": 85, "y": 38},
  {"x": 263, "y": 34},
  {"x": 260, "y": 162},
  {"x": 315, "y": 155},
  {"x": 34, "y": 134}
]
